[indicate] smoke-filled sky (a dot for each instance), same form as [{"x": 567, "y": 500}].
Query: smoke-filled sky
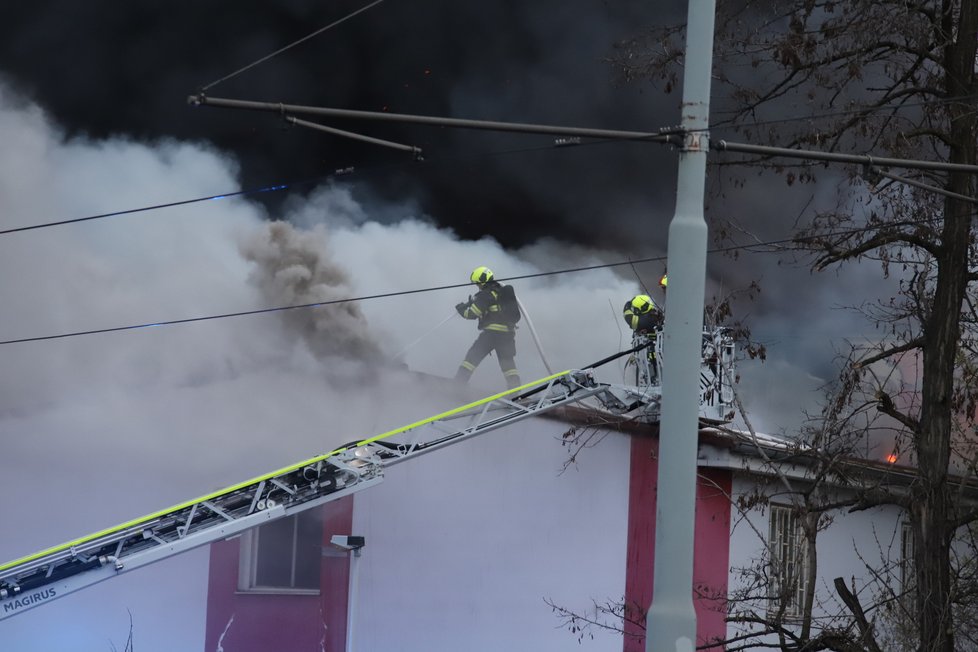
[
  {"x": 93, "y": 118},
  {"x": 103, "y": 68}
]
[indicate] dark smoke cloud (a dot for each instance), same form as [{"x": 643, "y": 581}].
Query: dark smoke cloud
[
  {"x": 292, "y": 267},
  {"x": 108, "y": 68}
]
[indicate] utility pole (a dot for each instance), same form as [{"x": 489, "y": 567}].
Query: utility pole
[{"x": 671, "y": 620}]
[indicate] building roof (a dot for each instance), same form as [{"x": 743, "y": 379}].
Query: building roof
[{"x": 769, "y": 455}]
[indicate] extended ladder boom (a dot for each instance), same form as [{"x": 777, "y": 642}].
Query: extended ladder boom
[{"x": 39, "y": 578}]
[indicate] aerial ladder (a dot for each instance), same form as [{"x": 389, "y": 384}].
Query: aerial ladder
[{"x": 52, "y": 573}]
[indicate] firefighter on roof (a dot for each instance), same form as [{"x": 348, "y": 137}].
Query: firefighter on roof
[{"x": 497, "y": 310}]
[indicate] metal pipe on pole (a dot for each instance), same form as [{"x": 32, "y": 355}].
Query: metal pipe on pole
[
  {"x": 671, "y": 136},
  {"x": 352, "y": 600},
  {"x": 838, "y": 157},
  {"x": 671, "y": 619},
  {"x": 354, "y": 136},
  {"x": 404, "y": 118}
]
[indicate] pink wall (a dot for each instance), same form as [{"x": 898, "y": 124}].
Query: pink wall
[
  {"x": 288, "y": 623},
  {"x": 711, "y": 553},
  {"x": 710, "y": 550}
]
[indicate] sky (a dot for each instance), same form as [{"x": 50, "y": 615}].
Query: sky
[{"x": 98, "y": 429}]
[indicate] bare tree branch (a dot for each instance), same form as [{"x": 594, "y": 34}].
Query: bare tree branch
[
  {"x": 867, "y": 637},
  {"x": 915, "y": 343},
  {"x": 886, "y": 407}
]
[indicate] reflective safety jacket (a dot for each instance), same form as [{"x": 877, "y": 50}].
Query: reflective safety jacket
[{"x": 485, "y": 306}]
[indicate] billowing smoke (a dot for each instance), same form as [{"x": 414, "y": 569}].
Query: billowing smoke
[
  {"x": 543, "y": 62},
  {"x": 292, "y": 267},
  {"x": 98, "y": 429}
]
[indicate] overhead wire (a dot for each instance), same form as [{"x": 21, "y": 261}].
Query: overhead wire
[
  {"x": 845, "y": 112},
  {"x": 290, "y": 45},
  {"x": 341, "y": 172},
  {"x": 142, "y": 209},
  {"x": 384, "y": 295},
  {"x": 444, "y": 160}
]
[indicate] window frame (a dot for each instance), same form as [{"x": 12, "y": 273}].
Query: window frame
[
  {"x": 788, "y": 553},
  {"x": 907, "y": 553},
  {"x": 249, "y": 557}
]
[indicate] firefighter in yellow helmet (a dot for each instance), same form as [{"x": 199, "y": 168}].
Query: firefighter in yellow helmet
[
  {"x": 645, "y": 319},
  {"x": 642, "y": 315},
  {"x": 497, "y": 311}
]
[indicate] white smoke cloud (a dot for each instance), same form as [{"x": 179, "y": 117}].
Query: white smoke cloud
[{"x": 101, "y": 428}]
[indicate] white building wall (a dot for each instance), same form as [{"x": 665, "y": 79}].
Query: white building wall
[
  {"x": 844, "y": 548},
  {"x": 853, "y": 541},
  {"x": 464, "y": 544}
]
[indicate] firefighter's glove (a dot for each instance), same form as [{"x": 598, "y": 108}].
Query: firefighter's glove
[{"x": 460, "y": 308}]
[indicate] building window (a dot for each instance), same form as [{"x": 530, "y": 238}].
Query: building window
[
  {"x": 283, "y": 556},
  {"x": 907, "y": 550},
  {"x": 789, "y": 568}
]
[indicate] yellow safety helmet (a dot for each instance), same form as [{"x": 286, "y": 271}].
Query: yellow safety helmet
[
  {"x": 642, "y": 304},
  {"x": 481, "y": 275}
]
